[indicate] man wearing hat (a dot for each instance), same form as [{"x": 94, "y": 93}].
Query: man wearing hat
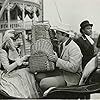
[
  {"x": 69, "y": 63},
  {"x": 85, "y": 42}
]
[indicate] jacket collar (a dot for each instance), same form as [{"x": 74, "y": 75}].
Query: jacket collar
[{"x": 67, "y": 42}]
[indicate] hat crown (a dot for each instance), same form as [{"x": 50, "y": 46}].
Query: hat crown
[
  {"x": 61, "y": 27},
  {"x": 85, "y": 23}
]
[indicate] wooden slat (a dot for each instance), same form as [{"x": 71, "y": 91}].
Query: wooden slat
[{"x": 23, "y": 39}]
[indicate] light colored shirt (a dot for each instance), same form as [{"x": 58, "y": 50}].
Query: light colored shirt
[{"x": 89, "y": 39}]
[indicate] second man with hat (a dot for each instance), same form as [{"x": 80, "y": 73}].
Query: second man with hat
[{"x": 85, "y": 42}]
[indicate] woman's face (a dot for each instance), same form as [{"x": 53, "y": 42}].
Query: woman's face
[
  {"x": 12, "y": 35},
  {"x": 10, "y": 44}
]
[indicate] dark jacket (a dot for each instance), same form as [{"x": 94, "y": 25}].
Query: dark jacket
[{"x": 87, "y": 50}]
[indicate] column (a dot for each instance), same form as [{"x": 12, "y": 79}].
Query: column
[
  {"x": 22, "y": 40},
  {"x": 23, "y": 15},
  {"x": 35, "y": 17},
  {"x": 3, "y": 7},
  {"x": 41, "y": 11},
  {"x": 8, "y": 16}
]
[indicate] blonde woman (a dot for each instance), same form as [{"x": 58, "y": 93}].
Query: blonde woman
[{"x": 15, "y": 79}]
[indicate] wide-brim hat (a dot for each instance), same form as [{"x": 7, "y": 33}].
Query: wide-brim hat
[
  {"x": 10, "y": 31},
  {"x": 62, "y": 27},
  {"x": 85, "y": 23}
]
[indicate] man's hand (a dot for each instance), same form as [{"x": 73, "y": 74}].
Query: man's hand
[{"x": 53, "y": 57}]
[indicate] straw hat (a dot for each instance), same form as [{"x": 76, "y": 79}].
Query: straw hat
[
  {"x": 10, "y": 31},
  {"x": 62, "y": 27}
]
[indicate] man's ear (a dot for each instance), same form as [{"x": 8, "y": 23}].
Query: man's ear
[
  {"x": 83, "y": 30},
  {"x": 64, "y": 34}
]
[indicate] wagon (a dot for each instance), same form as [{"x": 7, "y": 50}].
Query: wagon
[{"x": 83, "y": 90}]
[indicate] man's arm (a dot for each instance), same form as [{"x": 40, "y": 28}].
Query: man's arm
[{"x": 74, "y": 60}]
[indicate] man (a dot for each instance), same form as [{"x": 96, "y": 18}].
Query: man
[
  {"x": 69, "y": 63},
  {"x": 54, "y": 41},
  {"x": 85, "y": 42}
]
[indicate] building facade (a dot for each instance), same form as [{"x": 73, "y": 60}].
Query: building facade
[{"x": 20, "y": 15}]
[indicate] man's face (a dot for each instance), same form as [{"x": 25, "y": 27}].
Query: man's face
[
  {"x": 88, "y": 30},
  {"x": 59, "y": 36},
  {"x": 52, "y": 34}
]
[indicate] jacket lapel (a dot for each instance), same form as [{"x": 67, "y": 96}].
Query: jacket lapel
[
  {"x": 87, "y": 41},
  {"x": 65, "y": 47},
  {"x": 63, "y": 51}
]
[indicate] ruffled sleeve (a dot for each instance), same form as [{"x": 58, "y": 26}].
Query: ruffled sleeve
[{"x": 4, "y": 59}]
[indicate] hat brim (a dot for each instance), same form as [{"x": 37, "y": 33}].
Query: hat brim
[
  {"x": 10, "y": 31},
  {"x": 88, "y": 25},
  {"x": 59, "y": 29}
]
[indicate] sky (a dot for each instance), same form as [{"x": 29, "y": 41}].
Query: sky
[{"x": 73, "y": 12}]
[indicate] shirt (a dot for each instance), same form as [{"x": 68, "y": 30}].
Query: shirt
[{"x": 89, "y": 39}]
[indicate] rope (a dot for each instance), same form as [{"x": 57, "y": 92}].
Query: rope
[{"x": 57, "y": 11}]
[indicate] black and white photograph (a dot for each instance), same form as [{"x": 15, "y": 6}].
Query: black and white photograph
[{"x": 49, "y": 49}]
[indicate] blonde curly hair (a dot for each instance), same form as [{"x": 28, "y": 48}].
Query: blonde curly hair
[{"x": 7, "y": 41}]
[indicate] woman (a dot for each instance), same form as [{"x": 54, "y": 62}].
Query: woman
[{"x": 15, "y": 79}]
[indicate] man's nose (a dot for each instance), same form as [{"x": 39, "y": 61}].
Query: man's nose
[
  {"x": 90, "y": 30},
  {"x": 56, "y": 35}
]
